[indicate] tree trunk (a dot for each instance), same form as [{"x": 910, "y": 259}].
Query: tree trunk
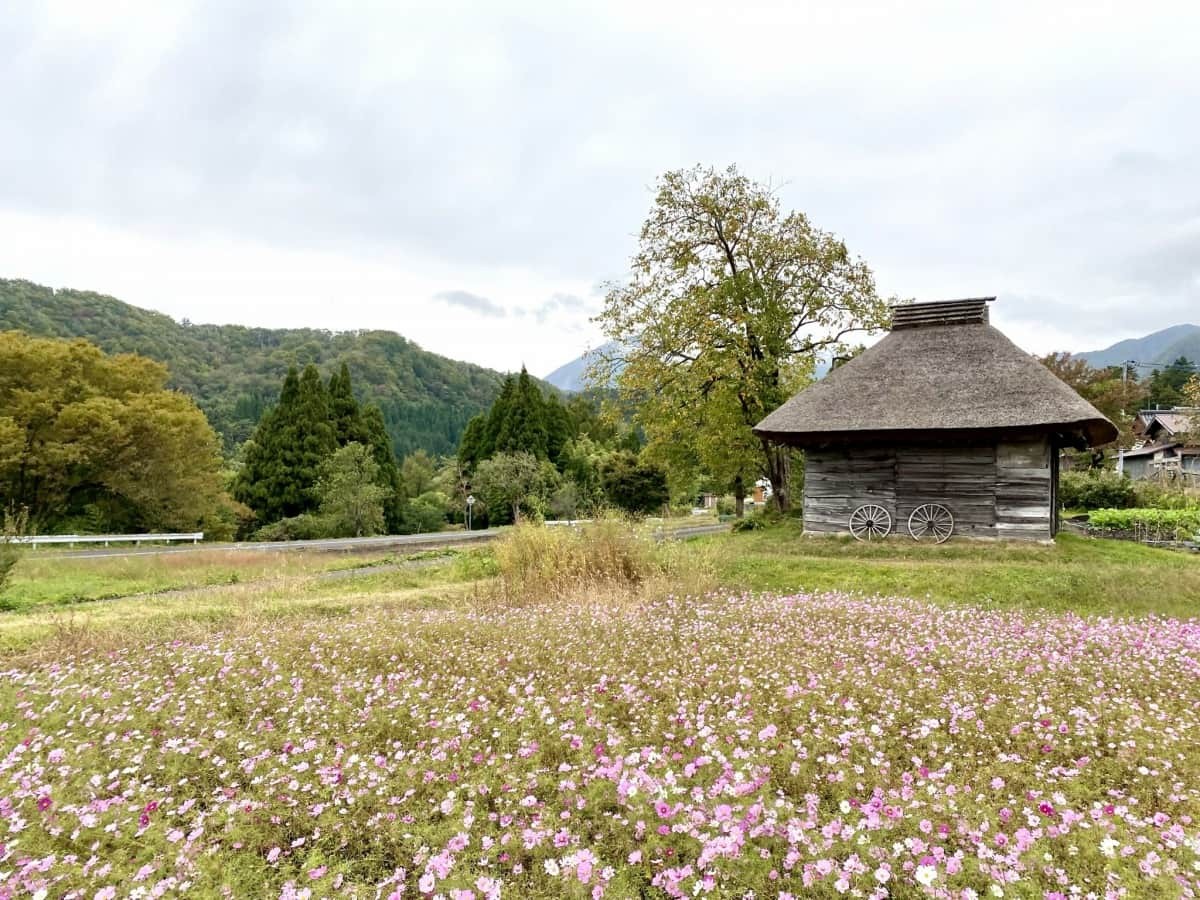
[
  {"x": 739, "y": 497},
  {"x": 779, "y": 472}
]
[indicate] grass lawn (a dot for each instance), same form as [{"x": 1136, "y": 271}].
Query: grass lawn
[
  {"x": 46, "y": 577},
  {"x": 1076, "y": 574},
  {"x": 146, "y": 598}
]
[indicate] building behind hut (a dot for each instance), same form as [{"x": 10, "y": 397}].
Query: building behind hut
[
  {"x": 1166, "y": 446},
  {"x": 944, "y": 409}
]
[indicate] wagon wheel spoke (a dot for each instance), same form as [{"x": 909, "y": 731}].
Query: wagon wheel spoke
[{"x": 870, "y": 522}]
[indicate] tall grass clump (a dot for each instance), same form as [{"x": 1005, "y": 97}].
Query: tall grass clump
[
  {"x": 13, "y": 526},
  {"x": 606, "y": 557}
]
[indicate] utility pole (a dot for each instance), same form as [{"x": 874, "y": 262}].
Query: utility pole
[{"x": 1129, "y": 363}]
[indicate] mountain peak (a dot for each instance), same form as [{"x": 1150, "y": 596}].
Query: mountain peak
[
  {"x": 1157, "y": 348},
  {"x": 571, "y": 376}
]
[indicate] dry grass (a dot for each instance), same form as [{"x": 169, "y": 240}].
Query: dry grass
[{"x": 609, "y": 559}]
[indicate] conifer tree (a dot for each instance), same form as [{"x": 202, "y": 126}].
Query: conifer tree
[
  {"x": 385, "y": 458},
  {"x": 284, "y": 457},
  {"x": 558, "y": 426},
  {"x": 344, "y": 409},
  {"x": 496, "y": 417},
  {"x": 471, "y": 450},
  {"x": 523, "y": 428}
]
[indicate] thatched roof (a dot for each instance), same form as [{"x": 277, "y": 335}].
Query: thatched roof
[{"x": 942, "y": 371}]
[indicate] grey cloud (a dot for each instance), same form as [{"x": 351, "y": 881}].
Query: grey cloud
[
  {"x": 472, "y": 302},
  {"x": 568, "y": 304},
  {"x": 534, "y": 142}
]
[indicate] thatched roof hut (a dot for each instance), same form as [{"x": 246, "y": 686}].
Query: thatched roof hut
[{"x": 944, "y": 410}]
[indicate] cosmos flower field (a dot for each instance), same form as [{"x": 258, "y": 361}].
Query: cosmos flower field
[{"x": 734, "y": 746}]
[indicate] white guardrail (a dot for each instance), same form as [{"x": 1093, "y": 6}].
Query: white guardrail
[{"x": 106, "y": 539}]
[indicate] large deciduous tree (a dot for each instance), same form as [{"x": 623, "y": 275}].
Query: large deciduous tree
[
  {"x": 730, "y": 301},
  {"x": 512, "y": 483},
  {"x": 1114, "y": 390},
  {"x": 95, "y": 441},
  {"x": 351, "y": 498}
]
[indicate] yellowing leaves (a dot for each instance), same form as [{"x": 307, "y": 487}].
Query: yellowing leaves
[{"x": 96, "y": 438}]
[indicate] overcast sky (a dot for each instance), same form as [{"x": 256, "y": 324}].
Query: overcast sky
[{"x": 468, "y": 174}]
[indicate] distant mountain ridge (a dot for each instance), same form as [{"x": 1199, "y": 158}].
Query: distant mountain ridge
[
  {"x": 234, "y": 372},
  {"x": 1158, "y": 348},
  {"x": 571, "y": 377}
]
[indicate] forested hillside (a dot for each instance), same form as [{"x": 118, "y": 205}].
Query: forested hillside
[{"x": 234, "y": 372}]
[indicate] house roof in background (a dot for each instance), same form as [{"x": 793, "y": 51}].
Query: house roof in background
[{"x": 1175, "y": 421}]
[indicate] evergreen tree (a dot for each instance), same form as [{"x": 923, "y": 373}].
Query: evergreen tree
[
  {"x": 496, "y": 417},
  {"x": 385, "y": 458},
  {"x": 292, "y": 440},
  {"x": 523, "y": 428},
  {"x": 558, "y": 426},
  {"x": 471, "y": 449},
  {"x": 1166, "y": 386},
  {"x": 345, "y": 411}
]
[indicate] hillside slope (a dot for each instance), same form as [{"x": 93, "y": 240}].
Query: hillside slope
[
  {"x": 234, "y": 372},
  {"x": 570, "y": 376},
  {"x": 1161, "y": 348}
]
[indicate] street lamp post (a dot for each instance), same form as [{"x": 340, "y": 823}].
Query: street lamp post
[{"x": 470, "y": 503}]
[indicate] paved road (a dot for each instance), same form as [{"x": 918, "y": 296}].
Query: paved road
[
  {"x": 348, "y": 545},
  {"x": 408, "y": 542}
]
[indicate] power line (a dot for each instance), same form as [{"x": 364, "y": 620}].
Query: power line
[{"x": 1133, "y": 363}]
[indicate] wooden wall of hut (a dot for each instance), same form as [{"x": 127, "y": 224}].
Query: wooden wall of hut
[{"x": 993, "y": 490}]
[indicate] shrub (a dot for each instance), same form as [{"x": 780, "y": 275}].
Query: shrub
[
  {"x": 425, "y": 513},
  {"x": 305, "y": 527},
  {"x": 761, "y": 518},
  {"x": 726, "y": 506},
  {"x": 749, "y": 523},
  {"x": 564, "y": 503},
  {"x": 1095, "y": 489},
  {"x": 1149, "y": 524},
  {"x": 634, "y": 486}
]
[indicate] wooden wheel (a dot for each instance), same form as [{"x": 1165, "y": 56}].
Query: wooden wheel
[
  {"x": 931, "y": 521},
  {"x": 870, "y": 522}
]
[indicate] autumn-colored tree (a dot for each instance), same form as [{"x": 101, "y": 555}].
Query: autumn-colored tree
[
  {"x": 730, "y": 301},
  {"x": 1117, "y": 393},
  {"x": 1191, "y": 394},
  {"x": 95, "y": 441}
]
